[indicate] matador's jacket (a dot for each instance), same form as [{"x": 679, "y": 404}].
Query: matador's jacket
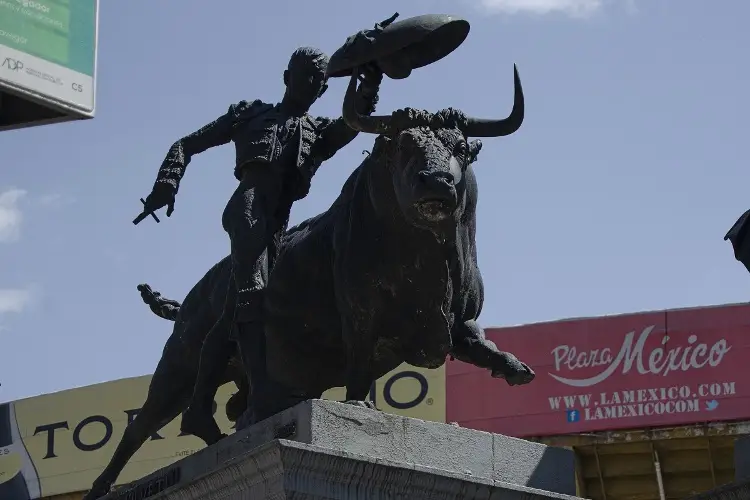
[{"x": 262, "y": 135}]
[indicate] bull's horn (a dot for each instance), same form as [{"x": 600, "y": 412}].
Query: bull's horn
[
  {"x": 479, "y": 127},
  {"x": 361, "y": 123}
]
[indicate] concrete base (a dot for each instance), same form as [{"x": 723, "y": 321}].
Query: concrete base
[{"x": 328, "y": 450}]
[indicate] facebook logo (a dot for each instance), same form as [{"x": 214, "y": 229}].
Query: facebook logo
[{"x": 573, "y": 416}]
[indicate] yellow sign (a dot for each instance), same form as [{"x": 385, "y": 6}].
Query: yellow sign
[{"x": 59, "y": 443}]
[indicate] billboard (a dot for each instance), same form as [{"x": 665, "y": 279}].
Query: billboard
[
  {"x": 665, "y": 368},
  {"x": 48, "y": 55},
  {"x": 631, "y": 371},
  {"x": 58, "y": 443}
]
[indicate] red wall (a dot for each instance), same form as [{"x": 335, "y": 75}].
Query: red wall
[{"x": 615, "y": 372}]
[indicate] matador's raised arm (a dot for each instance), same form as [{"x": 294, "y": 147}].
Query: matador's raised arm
[
  {"x": 216, "y": 133},
  {"x": 336, "y": 134}
]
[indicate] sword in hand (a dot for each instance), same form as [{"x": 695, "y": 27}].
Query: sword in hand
[{"x": 145, "y": 214}]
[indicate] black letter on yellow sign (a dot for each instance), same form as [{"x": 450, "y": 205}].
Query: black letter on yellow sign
[
  {"x": 89, "y": 420},
  {"x": 50, "y": 430}
]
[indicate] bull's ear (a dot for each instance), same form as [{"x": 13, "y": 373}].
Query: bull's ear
[
  {"x": 382, "y": 146},
  {"x": 474, "y": 148}
]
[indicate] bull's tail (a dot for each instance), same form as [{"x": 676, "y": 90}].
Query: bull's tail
[{"x": 164, "y": 308}]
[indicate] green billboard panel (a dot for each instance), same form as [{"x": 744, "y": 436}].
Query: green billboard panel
[{"x": 48, "y": 52}]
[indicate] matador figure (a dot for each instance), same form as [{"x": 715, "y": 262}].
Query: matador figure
[{"x": 278, "y": 150}]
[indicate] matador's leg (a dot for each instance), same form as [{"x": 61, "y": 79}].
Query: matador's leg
[
  {"x": 198, "y": 419},
  {"x": 250, "y": 221},
  {"x": 245, "y": 222}
]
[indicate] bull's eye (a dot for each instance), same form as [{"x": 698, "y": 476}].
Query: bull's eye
[{"x": 461, "y": 151}]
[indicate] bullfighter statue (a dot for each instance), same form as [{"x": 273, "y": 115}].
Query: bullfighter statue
[
  {"x": 387, "y": 275},
  {"x": 278, "y": 149}
]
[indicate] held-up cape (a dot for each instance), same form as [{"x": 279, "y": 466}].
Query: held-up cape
[{"x": 398, "y": 48}]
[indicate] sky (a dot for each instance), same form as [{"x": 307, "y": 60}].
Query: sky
[{"x": 613, "y": 197}]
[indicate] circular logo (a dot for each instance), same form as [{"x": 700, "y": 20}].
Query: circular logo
[{"x": 399, "y": 391}]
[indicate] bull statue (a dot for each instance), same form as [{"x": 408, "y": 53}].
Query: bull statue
[{"x": 387, "y": 275}]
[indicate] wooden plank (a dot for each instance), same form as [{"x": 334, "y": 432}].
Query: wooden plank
[
  {"x": 711, "y": 462},
  {"x": 617, "y": 466},
  {"x": 682, "y": 444},
  {"x": 624, "y": 448},
  {"x": 599, "y": 470},
  {"x": 684, "y": 461},
  {"x": 594, "y": 489},
  {"x": 581, "y": 489},
  {"x": 634, "y": 435},
  {"x": 631, "y": 486},
  {"x": 685, "y": 486},
  {"x": 724, "y": 477}
]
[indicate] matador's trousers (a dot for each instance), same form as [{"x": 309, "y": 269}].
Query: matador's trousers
[{"x": 255, "y": 218}]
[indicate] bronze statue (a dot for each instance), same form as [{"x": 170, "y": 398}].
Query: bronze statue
[
  {"x": 279, "y": 148},
  {"x": 388, "y": 274}
]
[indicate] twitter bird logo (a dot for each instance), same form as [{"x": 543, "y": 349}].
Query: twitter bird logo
[{"x": 712, "y": 405}]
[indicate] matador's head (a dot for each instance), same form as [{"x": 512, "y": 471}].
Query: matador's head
[{"x": 305, "y": 77}]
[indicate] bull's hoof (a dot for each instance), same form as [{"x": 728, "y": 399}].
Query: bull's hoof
[
  {"x": 245, "y": 420},
  {"x": 147, "y": 292},
  {"x": 200, "y": 426},
  {"x": 362, "y": 404},
  {"x": 250, "y": 417},
  {"x": 97, "y": 491},
  {"x": 512, "y": 370}
]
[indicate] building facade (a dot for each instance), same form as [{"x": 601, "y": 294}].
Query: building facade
[{"x": 651, "y": 403}]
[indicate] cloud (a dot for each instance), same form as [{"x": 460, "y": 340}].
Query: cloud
[
  {"x": 14, "y": 300},
  {"x": 573, "y": 8},
  {"x": 55, "y": 200},
  {"x": 10, "y": 214},
  {"x": 10, "y": 210}
]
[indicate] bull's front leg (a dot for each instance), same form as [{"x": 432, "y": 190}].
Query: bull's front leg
[
  {"x": 359, "y": 365},
  {"x": 471, "y": 346}
]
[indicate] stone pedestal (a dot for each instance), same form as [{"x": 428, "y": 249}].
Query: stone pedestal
[{"x": 328, "y": 450}]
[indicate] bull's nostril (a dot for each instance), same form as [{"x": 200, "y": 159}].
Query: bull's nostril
[
  {"x": 447, "y": 177},
  {"x": 435, "y": 178}
]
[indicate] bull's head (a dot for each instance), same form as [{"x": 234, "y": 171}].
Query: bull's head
[{"x": 428, "y": 153}]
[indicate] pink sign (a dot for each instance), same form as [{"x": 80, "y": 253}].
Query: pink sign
[{"x": 615, "y": 372}]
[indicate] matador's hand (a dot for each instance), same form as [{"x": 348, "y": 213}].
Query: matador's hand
[
  {"x": 162, "y": 195},
  {"x": 372, "y": 75}
]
